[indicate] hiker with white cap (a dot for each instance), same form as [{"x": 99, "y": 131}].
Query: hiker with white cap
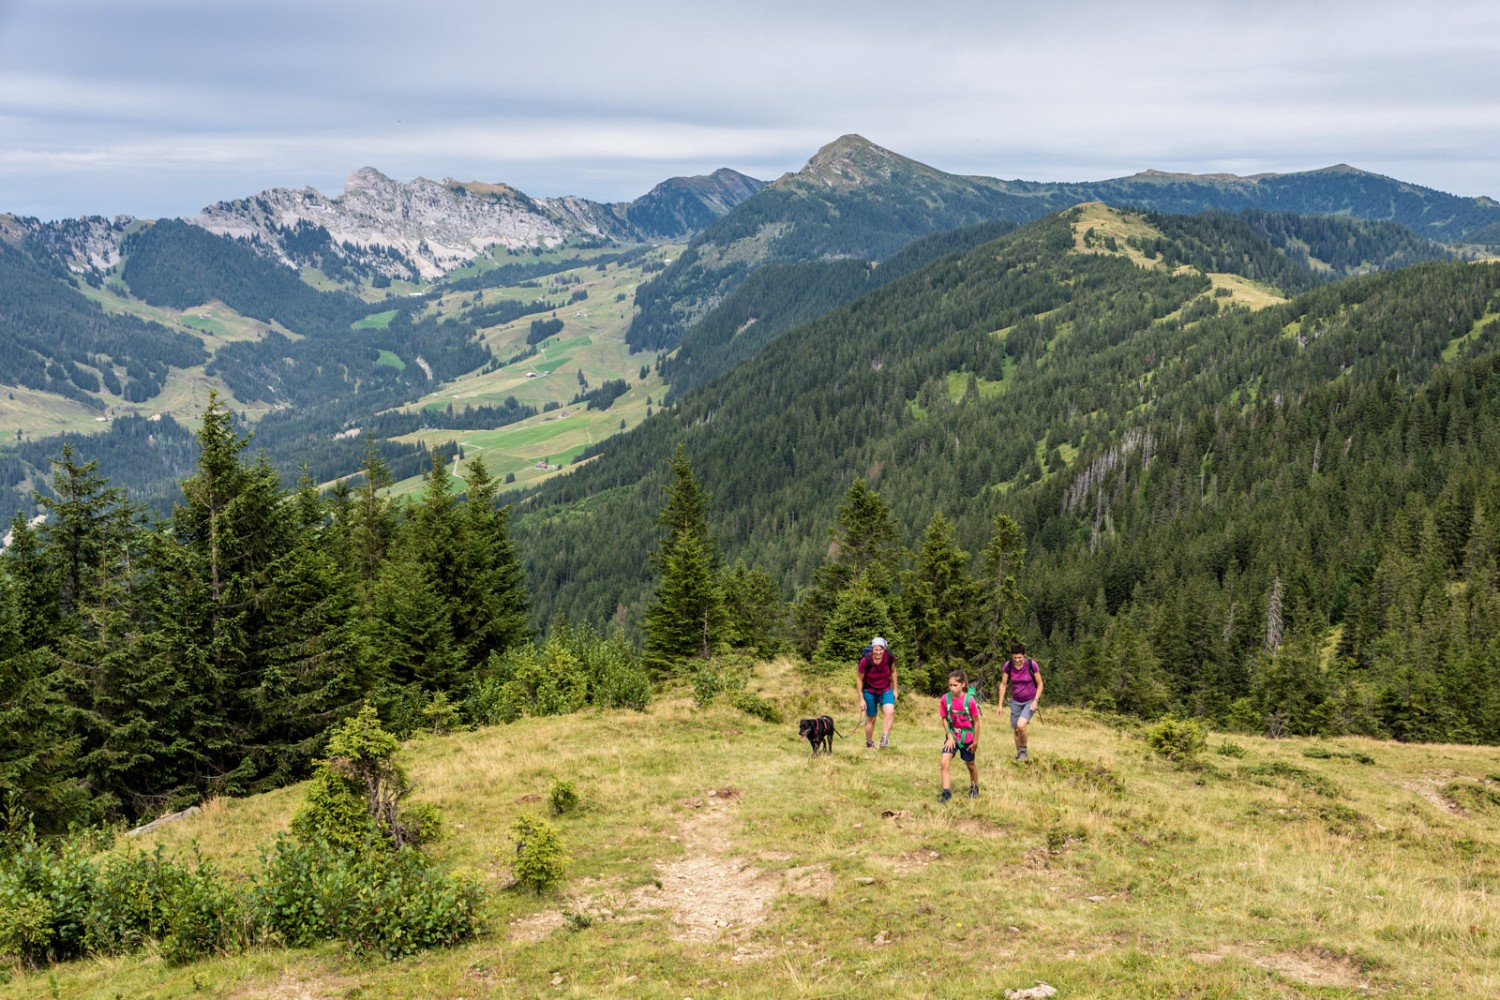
[{"x": 877, "y": 686}]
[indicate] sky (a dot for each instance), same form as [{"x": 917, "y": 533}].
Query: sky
[{"x": 157, "y": 108}]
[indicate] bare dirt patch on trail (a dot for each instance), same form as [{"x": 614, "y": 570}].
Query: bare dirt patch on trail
[
  {"x": 1430, "y": 787},
  {"x": 1310, "y": 966},
  {"x": 709, "y": 891}
]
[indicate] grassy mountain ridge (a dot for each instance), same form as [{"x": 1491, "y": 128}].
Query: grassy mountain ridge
[{"x": 711, "y": 855}]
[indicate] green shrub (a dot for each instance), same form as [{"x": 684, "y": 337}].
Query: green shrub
[
  {"x": 1176, "y": 739},
  {"x": 1229, "y": 749},
  {"x": 574, "y": 667},
  {"x": 620, "y": 678},
  {"x": 441, "y": 715},
  {"x": 719, "y": 676},
  {"x": 45, "y": 894},
  {"x": 356, "y": 794},
  {"x": 303, "y": 892},
  {"x": 392, "y": 902},
  {"x": 564, "y": 797},
  {"x": 540, "y": 864},
  {"x": 754, "y": 704},
  {"x": 530, "y": 680},
  {"x": 132, "y": 902},
  {"x": 209, "y": 916},
  {"x": 708, "y": 684},
  {"x": 404, "y": 903}
]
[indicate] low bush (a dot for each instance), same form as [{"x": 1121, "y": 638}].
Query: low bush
[
  {"x": 395, "y": 903},
  {"x": 209, "y": 916},
  {"x": 1176, "y": 739},
  {"x": 356, "y": 796},
  {"x": 754, "y": 704},
  {"x": 45, "y": 894},
  {"x": 563, "y": 798},
  {"x": 133, "y": 900},
  {"x": 571, "y": 669},
  {"x": 540, "y": 864}
]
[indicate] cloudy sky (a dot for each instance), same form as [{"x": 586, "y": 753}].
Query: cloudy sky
[{"x": 158, "y": 107}]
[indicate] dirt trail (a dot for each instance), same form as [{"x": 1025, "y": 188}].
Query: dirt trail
[{"x": 708, "y": 890}]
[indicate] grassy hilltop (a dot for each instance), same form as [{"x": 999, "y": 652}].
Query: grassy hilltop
[{"x": 711, "y": 857}]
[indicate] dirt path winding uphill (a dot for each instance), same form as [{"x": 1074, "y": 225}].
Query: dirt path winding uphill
[{"x": 708, "y": 890}]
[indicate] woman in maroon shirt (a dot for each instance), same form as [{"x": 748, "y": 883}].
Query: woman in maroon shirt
[
  {"x": 1024, "y": 677},
  {"x": 877, "y": 686}
]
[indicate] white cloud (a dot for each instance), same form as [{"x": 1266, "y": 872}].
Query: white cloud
[{"x": 99, "y": 98}]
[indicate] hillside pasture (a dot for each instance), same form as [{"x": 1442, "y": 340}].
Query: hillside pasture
[{"x": 712, "y": 855}]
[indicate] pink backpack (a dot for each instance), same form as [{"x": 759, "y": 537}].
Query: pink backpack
[{"x": 960, "y": 717}]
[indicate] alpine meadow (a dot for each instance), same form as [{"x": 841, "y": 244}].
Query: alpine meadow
[{"x": 417, "y": 592}]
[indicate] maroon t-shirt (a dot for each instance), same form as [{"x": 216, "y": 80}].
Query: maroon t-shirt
[{"x": 876, "y": 677}]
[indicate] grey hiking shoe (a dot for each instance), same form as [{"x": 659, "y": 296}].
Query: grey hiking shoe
[
  {"x": 885, "y": 741},
  {"x": 1022, "y": 756},
  {"x": 945, "y": 796},
  {"x": 973, "y": 791}
]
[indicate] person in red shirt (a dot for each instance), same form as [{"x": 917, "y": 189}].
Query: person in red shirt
[
  {"x": 1023, "y": 676},
  {"x": 877, "y": 687}
]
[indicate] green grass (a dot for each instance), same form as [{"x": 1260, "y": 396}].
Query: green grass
[
  {"x": 1101, "y": 868},
  {"x": 375, "y": 321},
  {"x": 391, "y": 360},
  {"x": 1450, "y": 351}
]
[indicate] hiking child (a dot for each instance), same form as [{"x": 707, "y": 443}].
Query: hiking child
[
  {"x": 877, "y": 687},
  {"x": 959, "y": 710},
  {"x": 1024, "y": 677}
]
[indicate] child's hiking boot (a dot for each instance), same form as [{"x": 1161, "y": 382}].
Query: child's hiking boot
[
  {"x": 885, "y": 741},
  {"x": 869, "y": 744},
  {"x": 946, "y": 795},
  {"x": 973, "y": 791},
  {"x": 1022, "y": 755}
]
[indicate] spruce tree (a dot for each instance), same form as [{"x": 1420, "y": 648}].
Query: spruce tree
[
  {"x": 860, "y": 614},
  {"x": 87, "y": 523},
  {"x": 42, "y": 732},
  {"x": 1005, "y": 606},
  {"x": 494, "y": 607},
  {"x": 317, "y": 669},
  {"x": 687, "y": 617},
  {"x": 942, "y": 604},
  {"x": 757, "y": 614},
  {"x": 863, "y": 547},
  {"x": 214, "y": 595}
]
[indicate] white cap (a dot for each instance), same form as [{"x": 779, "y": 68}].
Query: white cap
[{"x": 877, "y": 641}]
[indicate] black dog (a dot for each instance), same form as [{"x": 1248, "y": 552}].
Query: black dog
[{"x": 819, "y": 732}]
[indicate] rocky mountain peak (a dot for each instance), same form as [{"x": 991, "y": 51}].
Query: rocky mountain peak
[{"x": 852, "y": 160}]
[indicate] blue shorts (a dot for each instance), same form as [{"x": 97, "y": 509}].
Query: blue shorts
[
  {"x": 965, "y": 754},
  {"x": 887, "y": 697},
  {"x": 1019, "y": 711}
]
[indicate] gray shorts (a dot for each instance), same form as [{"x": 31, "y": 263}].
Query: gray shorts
[{"x": 1019, "y": 711}]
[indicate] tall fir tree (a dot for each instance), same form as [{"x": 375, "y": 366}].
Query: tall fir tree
[
  {"x": 864, "y": 547},
  {"x": 942, "y": 606},
  {"x": 687, "y": 617}
]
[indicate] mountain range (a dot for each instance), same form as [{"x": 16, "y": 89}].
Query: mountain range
[
  {"x": 1272, "y": 411},
  {"x": 323, "y": 318}
]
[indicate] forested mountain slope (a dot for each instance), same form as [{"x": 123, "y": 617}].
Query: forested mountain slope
[
  {"x": 1124, "y": 412},
  {"x": 856, "y": 200}
]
